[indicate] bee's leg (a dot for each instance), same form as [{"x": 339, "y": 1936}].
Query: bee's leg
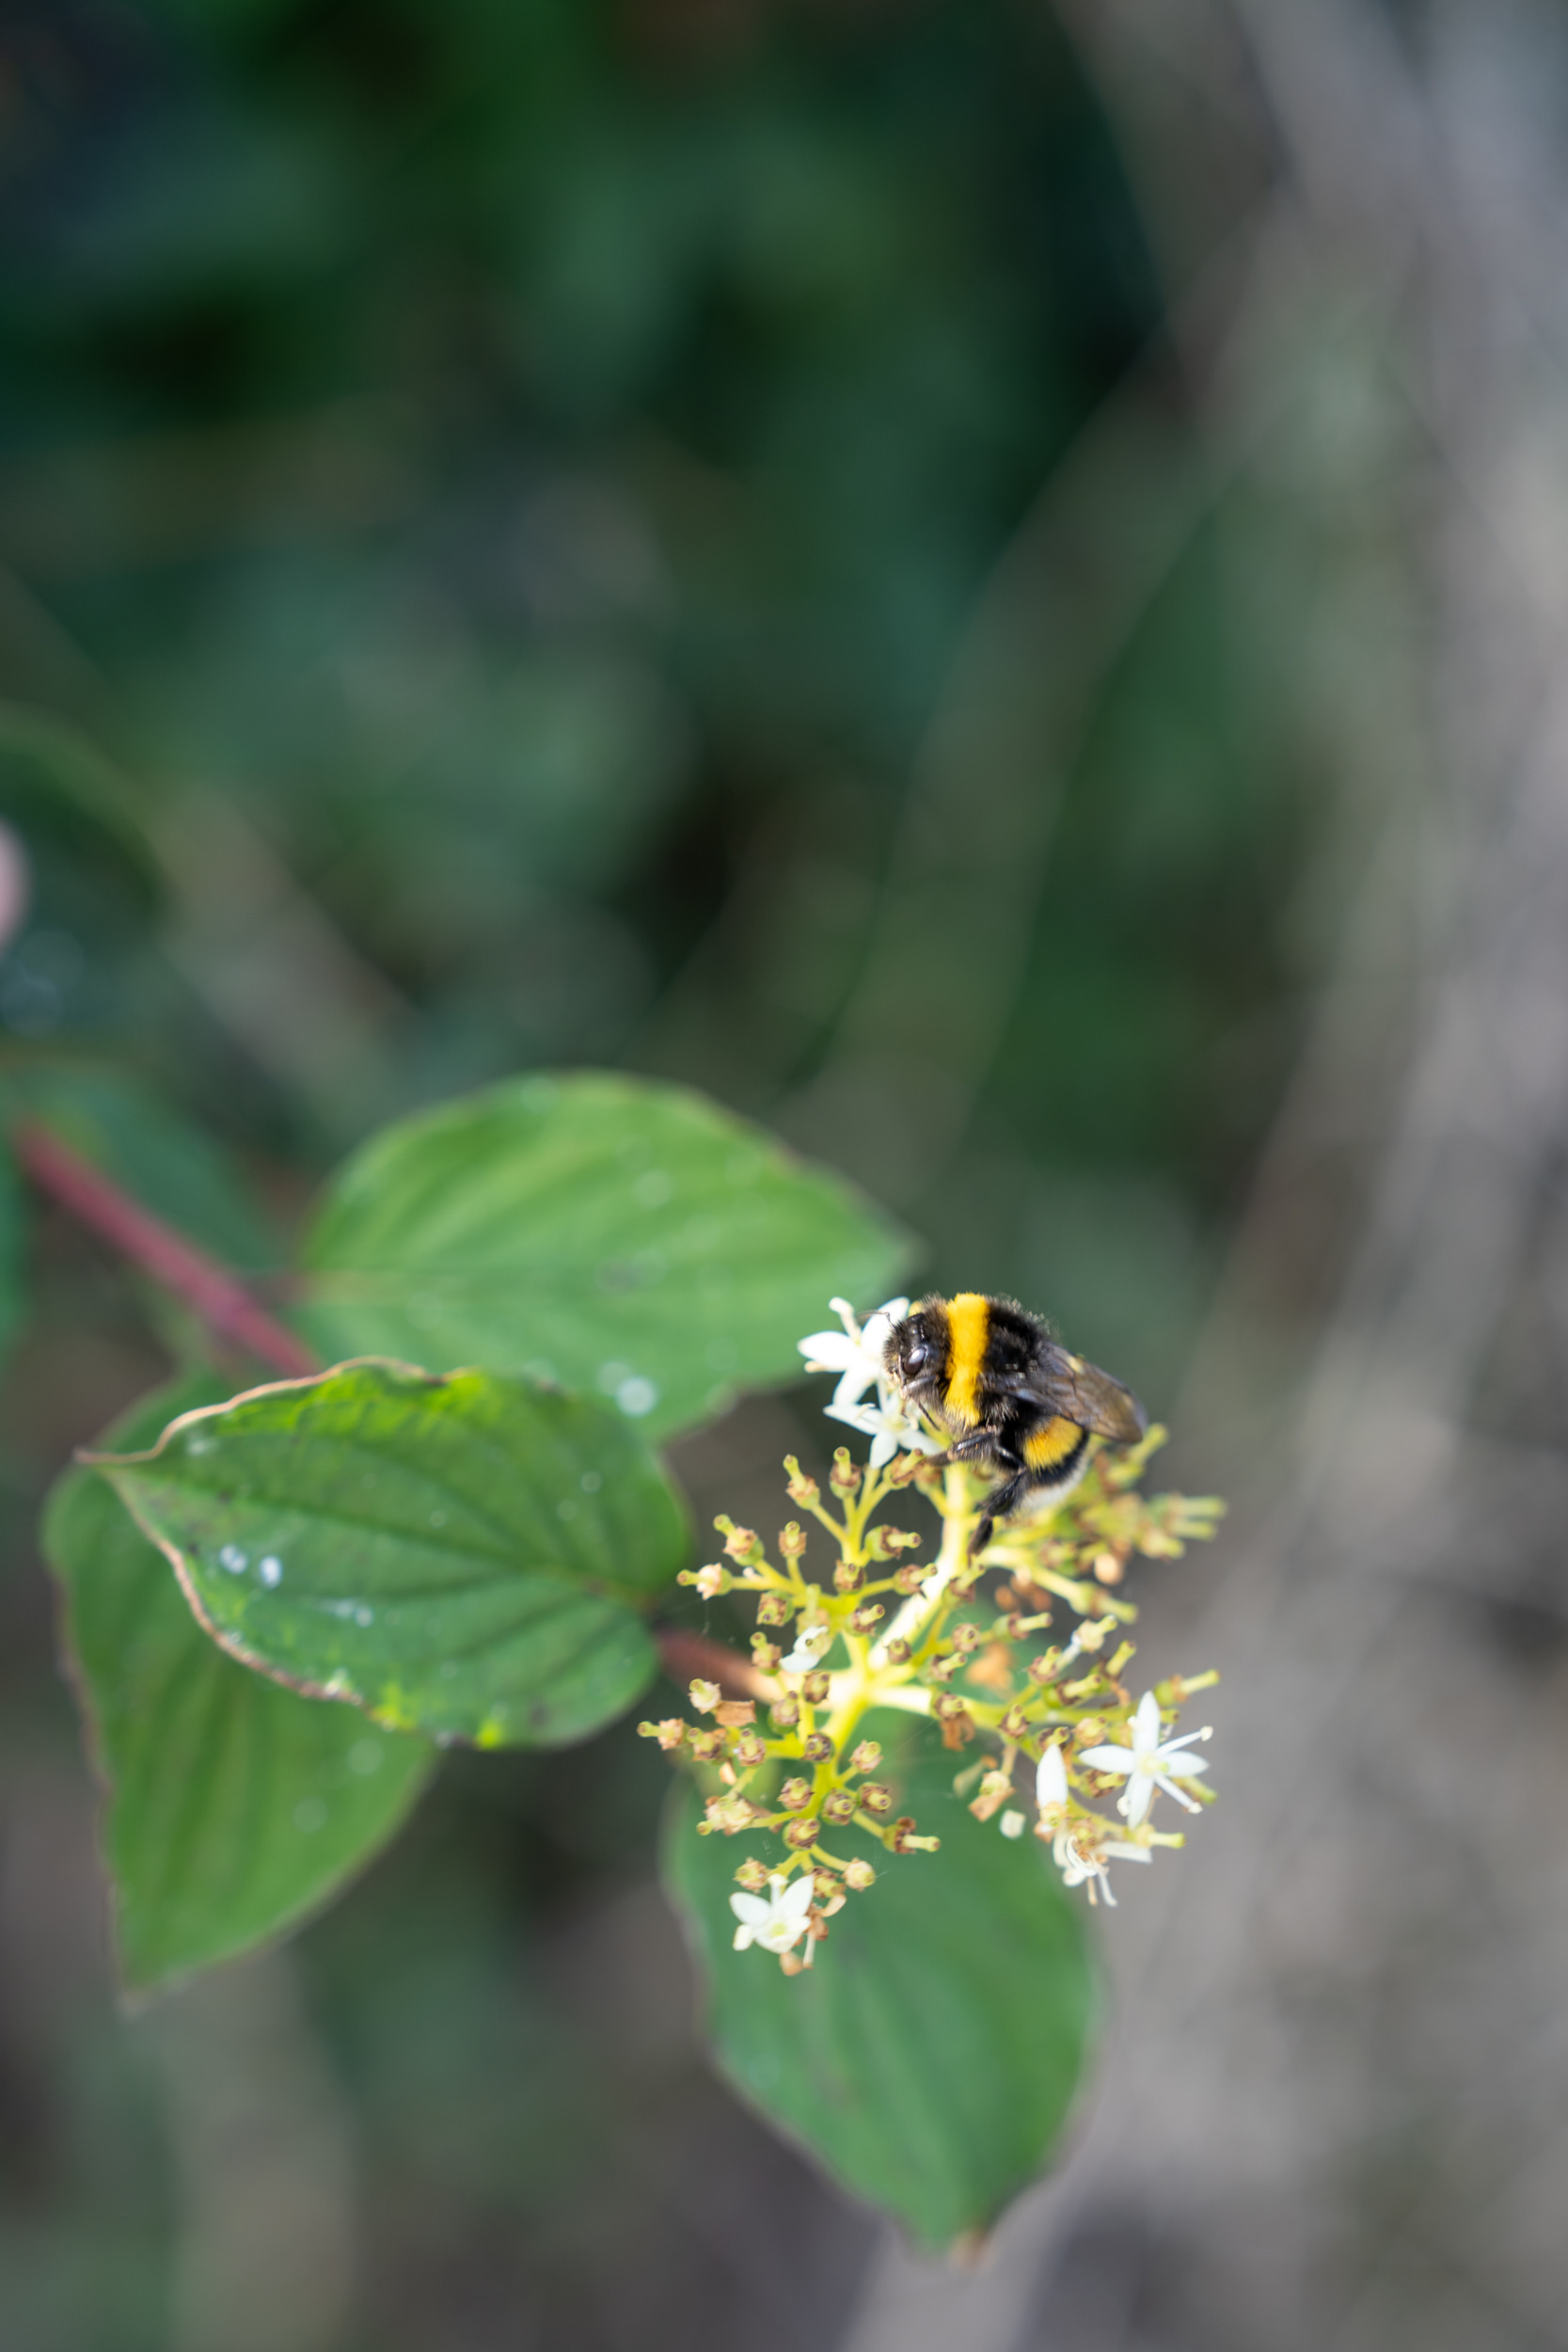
[
  {"x": 997, "y": 1507},
  {"x": 980, "y": 1445}
]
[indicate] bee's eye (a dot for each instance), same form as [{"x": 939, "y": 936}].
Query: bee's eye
[{"x": 917, "y": 1357}]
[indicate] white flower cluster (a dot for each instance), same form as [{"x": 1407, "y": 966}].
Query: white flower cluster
[{"x": 1078, "y": 1846}]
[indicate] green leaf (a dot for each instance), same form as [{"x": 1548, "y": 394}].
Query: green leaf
[
  {"x": 605, "y": 1232},
  {"x": 151, "y": 1152},
  {"x": 234, "y": 1806},
  {"x": 455, "y": 1555},
  {"x": 929, "y": 2055}
]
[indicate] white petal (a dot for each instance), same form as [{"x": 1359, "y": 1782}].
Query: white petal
[
  {"x": 796, "y": 1898},
  {"x": 1124, "y": 1852},
  {"x": 1189, "y": 1804},
  {"x": 884, "y": 1445},
  {"x": 743, "y": 1939},
  {"x": 1051, "y": 1780},
  {"x": 861, "y": 1417},
  {"x": 1146, "y": 1723},
  {"x": 1135, "y": 1799},
  {"x": 1011, "y": 1824},
  {"x": 1110, "y": 1759},
  {"x": 830, "y": 1351},
  {"x": 751, "y": 1909},
  {"x": 1179, "y": 1767}
]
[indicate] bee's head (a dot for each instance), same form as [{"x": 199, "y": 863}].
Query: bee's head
[{"x": 915, "y": 1353}]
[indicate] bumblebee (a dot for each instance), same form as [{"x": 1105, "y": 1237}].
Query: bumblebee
[{"x": 990, "y": 1373}]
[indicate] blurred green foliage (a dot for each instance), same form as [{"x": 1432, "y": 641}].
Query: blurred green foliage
[{"x": 666, "y": 535}]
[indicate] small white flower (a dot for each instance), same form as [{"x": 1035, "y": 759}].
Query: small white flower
[
  {"x": 812, "y": 1644},
  {"x": 890, "y": 1431},
  {"x": 1011, "y": 1824},
  {"x": 1149, "y": 1763},
  {"x": 776, "y": 1920},
  {"x": 1076, "y": 1847},
  {"x": 856, "y": 1352}
]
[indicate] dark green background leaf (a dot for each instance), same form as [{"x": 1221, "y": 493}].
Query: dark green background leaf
[
  {"x": 234, "y": 1806},
  {"x": 455, "y": 1554},
  {"x": 617, "y": 1235},
  {"x": 929, "y": 2056},
  {"x": 13, "y": 1252}
]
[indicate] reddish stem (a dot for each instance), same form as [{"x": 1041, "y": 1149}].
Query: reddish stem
[{"x": 218, "y": 1295}]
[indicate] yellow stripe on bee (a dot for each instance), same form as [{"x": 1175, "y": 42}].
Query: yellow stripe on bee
[
  {"x": 968, "y": 1330},
  {"x": 1051, "y": 1443}
]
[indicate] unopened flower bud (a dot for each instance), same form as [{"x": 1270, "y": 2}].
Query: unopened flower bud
[
  {"x": 707, "y": 1746},
  {"x": 729, "y": 1814},
  {"x": 793, "y": 1795},
  {"x": 802, "y": 1833},
  {"x": 801, "y": 1489},
  {"x": 751, "y": 1875},
  {"x": 815, "y": 1687},
  {"x": 844, "y": 1478},
  {"x": 741, "y": 1543},
  {"x": 1108, "y": 1568},
  {"x": 848, "y": 1576},
  {"x": 866, "y": 1757},
  {"x": 705, "y": 1696},
  {"x": 773, "y": 1609},
  {"x": 1015, "y": 1723},
  {"x": 1011, "y": 1824},
  {"x": 967, "y": 1637},
  {"x": 839, "y": 1806},
  {"x": 669, "y": 1734},
  {"x": 905, "y": 1840},
  {"x": 817, "y": 1748},
  {"x": 1090, "y": 1733},
  {"x": 897, "y": 1652},
  {"x": 860, "y": 1875},
  {"x": 784, "y": 1714},
  {"x": 749, "y": 1752},
  {"x": 764, "y": 1654},
  {"x": 876, "y": 1797},
  {"x": 792, "y": 1541},
  {"x": 1046, "y": 1667},
  {"x": 910, "y": 1578},
  {"x": 869, "y": 1613},
  {"x": 995, "y": 1789},
  {"x": 710, "y": 1582}
]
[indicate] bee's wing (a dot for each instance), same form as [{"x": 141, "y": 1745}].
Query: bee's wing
[{"x": 1082, "y": 1392}]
